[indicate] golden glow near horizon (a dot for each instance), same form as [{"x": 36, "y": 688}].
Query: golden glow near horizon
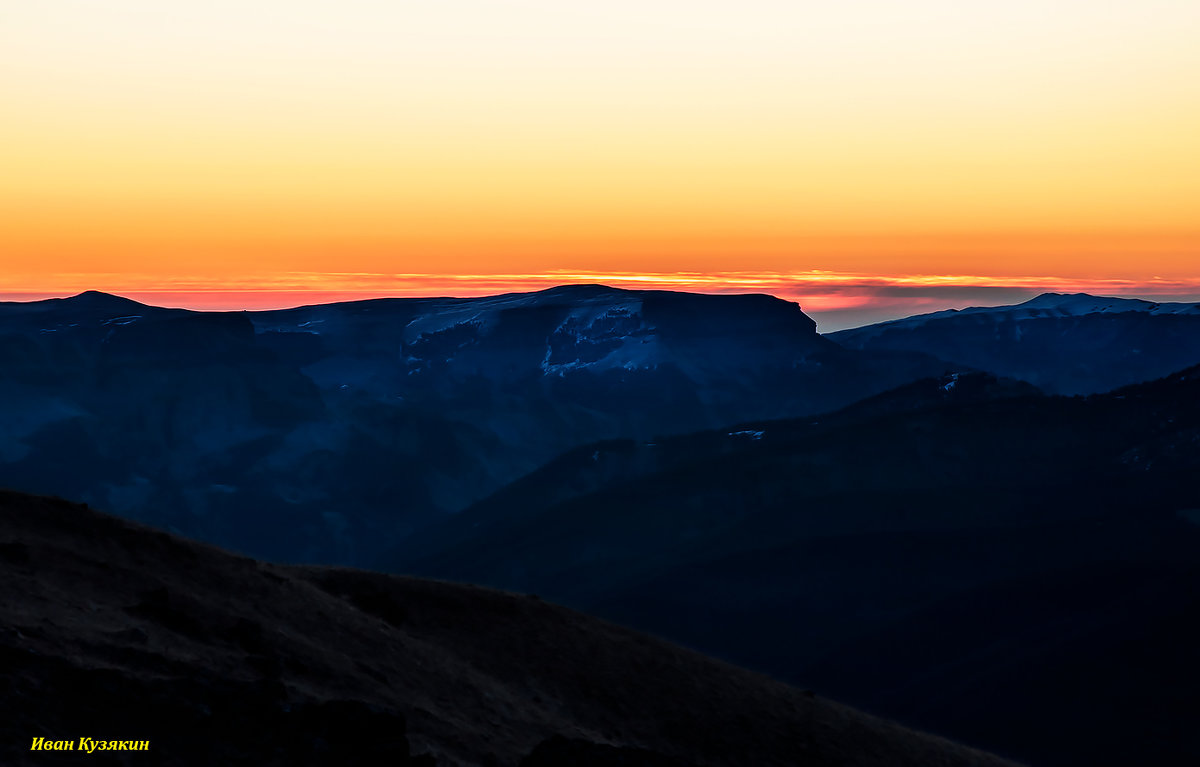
[
  {"x": 230, "y": 140},
  {"x": 836, "y": 300}
]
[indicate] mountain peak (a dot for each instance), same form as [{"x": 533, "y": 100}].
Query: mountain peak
[
  {"x": 1085, "y": 303},
  {"x": 1063, "y": 343},
  {"x": 1050, "y": 297},
  {"x": 99, "y": 297},
  {"x": 100, "y": 300},
  {"x": 88, "y": 303},
  {"x": 1044, "y": 305},
  {"x": 586, "y": 288}
]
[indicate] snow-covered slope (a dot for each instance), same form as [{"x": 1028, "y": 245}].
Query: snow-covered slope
[{"x": 561, "y": 330}]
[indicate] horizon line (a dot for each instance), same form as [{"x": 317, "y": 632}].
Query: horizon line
[{"x": 842, "y": 299}]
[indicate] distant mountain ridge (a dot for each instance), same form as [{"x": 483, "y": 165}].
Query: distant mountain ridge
[
  {"x": 325, "y": 433},
  {"x": 330, "y": 432},
  {"x": 1062, "y": 343},
  {"x": 1044, "y": 305},
  {"x": 577, "y": 328}
]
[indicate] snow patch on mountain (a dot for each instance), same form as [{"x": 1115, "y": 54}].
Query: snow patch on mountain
[
  {"x": 753, "y": 434},
  {"x": 126, "y": 320},
  {"x": 485, "y": 312},
  {"x": 602, "y": 338}
]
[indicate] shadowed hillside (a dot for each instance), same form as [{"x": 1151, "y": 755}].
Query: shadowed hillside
[
  {"x": 112, "y": 630},
  {"x": 962, "y": 554}
]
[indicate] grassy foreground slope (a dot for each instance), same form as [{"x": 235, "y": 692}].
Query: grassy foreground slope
[{"x": 112, "y": 630}]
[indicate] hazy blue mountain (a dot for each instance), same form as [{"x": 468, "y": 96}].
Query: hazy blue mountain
[
  {"x": 328, "y": 433},
  {"x": 963, "y": 554},
  {"x": 1064, "y": 344}
]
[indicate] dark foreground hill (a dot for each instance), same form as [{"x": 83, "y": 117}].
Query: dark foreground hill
[
  {"x": 962, "y": 554},
  {"x": 113, "y": 631}
]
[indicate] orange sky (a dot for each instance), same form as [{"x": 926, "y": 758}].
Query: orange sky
[{"x": 218, "y": 150}]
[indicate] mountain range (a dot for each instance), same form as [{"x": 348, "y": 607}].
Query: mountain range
[
  {"x": 326, "y": 433},
  {"x": 330, "y": 433},
  {"x": 980, "y": 523},
  {"x": 1063, "y": 344}
]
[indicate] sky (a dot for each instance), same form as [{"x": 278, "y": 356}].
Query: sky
[{"x": 867, "y": 158}]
